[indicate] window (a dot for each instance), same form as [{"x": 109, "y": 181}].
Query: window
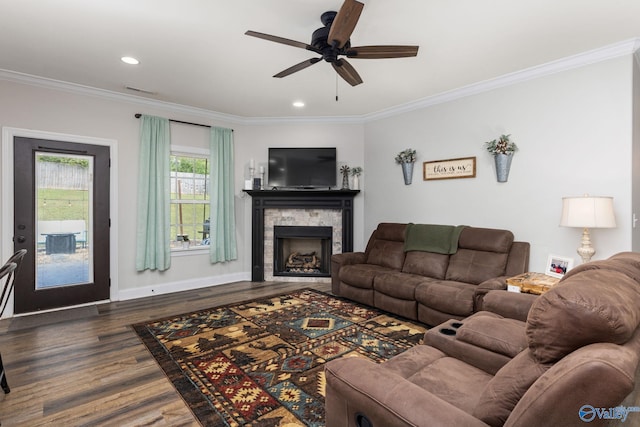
[{"x": 190, "y": 183}]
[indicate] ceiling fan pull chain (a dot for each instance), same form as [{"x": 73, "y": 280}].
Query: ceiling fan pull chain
[{"x": 336, "y": 88}]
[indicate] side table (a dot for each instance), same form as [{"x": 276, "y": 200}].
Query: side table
[{"x": 532, "y": 283}]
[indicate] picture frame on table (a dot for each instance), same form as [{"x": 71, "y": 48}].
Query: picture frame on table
[{"x": 557, "y": 266}]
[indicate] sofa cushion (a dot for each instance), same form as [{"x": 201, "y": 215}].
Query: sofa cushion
[
  {"x": 588, "y": 307},
  {"x": 482, "y": 254},
  {"x": 505, "y": 389},
  {"x": 390, "y": 231},
  {"x": 427, "y": 264},
  {"x": 447, "y": 296},
  {"x": 408, "y": 363},
  {"x": 361, "y": 275},
  {"x": 494, "y": 333},
  {"x": 386, "y": 253},
  {"x": 486, "y": 239},
  {"x": 472, "y": 266},
  {"x": 397, "y": 285},
  {"x": 451, "y": 379}
]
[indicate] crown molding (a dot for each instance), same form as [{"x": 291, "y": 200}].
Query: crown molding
[
  {"x": 48, "y": 83},
  {"x": 625, "y": 47}
]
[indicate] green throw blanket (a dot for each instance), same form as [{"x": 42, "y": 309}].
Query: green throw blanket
[{"x": 441, "y": 239}]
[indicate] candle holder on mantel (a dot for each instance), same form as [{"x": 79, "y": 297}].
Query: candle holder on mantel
[{"x": 248, "y": 185}]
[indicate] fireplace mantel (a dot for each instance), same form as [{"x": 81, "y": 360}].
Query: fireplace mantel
[{"x": 296, "y": 199}]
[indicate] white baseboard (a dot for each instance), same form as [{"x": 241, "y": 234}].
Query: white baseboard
[{"x": 183, "y": 285}]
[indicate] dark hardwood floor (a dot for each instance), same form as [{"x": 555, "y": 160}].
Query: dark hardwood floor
[{"x": 86, "y": 366}]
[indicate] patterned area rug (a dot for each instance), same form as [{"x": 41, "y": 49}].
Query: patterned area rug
[{"x": 261, "y": 363}]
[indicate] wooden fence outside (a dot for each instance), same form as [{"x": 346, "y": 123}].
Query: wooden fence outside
[
  {"x": 62, "y": 176},
  {"x": 72, "y": 177}
]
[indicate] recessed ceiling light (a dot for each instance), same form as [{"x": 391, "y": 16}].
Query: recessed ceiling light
[
  {"x": 129, "y": 60},
  {"x": 298, "y": 104}
]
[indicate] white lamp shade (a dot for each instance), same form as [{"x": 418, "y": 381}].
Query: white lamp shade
[{"x": 588, "y": 212}]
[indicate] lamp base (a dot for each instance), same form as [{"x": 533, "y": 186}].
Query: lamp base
[{"x": 586, "y": 250}]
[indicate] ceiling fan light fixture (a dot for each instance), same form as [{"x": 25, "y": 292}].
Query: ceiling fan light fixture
[
  {"x": 129, "y": 60},
  {"x": 333, "y": 40}
]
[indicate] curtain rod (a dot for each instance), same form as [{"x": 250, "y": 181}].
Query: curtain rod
[{"x": 137, "y": 115}]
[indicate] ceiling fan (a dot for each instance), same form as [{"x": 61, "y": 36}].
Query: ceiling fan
[{"x": 332, "y": 41}]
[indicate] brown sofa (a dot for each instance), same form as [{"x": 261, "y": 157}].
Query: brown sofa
[
  {"x": 425, "y": 285},
  {"x": 574, "y": 362}
]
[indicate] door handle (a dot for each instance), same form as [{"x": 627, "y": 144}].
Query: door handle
[{"x": 21, "y": 239}]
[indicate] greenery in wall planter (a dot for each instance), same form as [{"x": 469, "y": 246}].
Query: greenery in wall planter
[
  {"x": 406, "y": 159},
  {"x": 502, "y": 150}
]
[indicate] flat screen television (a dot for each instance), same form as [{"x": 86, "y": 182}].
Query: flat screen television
[{"x": 302, "y": 167}]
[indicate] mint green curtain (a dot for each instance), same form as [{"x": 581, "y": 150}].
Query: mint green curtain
[
  {"x": 223, "y": 223},
  {"x": 154, "y": 215}
]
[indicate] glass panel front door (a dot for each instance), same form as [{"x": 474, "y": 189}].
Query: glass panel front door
[{"x": 61, "y": 210}]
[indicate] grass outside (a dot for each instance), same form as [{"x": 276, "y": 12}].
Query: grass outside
[{"x": 56, "y": 204}]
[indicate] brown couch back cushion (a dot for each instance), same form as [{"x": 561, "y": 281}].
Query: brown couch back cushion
[
  {"x": 486, "y": 239},
  {"x": 506, "y": 388},
  {"x": 624, "y": 262},
  {"x": 386, "y": 246},
  {"x": 590, "y": 306},
  {"x": 426, "y": 264},
  {"x": 482, "y": 254}
]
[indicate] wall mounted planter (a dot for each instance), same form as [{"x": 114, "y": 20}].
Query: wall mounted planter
[
  {"x": 503, "y": 165},
  {"x": 407, "y": 172}
]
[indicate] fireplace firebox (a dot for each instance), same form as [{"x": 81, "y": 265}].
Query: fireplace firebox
[{"x": 302, "y": 251}]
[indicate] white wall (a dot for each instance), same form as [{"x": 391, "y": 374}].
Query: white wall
[
  {"x": 635, "y": 162},
  {"x": 25, "y": 106},
  {"x": 574, "y": 132}
]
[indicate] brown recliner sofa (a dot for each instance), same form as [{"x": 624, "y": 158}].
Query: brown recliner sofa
[
  {"x": 426, "y": 284},
  {"x": 578, "y": 364}
]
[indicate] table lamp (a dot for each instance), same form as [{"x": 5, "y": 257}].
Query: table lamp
[{"x": 587, "y": 212}]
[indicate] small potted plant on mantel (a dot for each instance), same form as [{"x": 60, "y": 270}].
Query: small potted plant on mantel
[
  {"x": 502, "y": 150},
  {"x": 356, "y": 171},
  {"x": 406, "y": 158}
]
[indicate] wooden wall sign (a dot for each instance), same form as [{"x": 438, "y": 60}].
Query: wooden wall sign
[{"x": 448, "y": 169}]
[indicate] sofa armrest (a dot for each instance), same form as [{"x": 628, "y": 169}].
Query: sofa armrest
[
  {"x": 348, "y": 258},
  {"x": 496, "y": 283},
  {"x": 359, "y": 386},
  {"x": 508, "y": 304},
  {"x": 337, "y": 261}
]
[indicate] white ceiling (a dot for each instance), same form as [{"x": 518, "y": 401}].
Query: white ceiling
[{"x": 195, "y": 53}]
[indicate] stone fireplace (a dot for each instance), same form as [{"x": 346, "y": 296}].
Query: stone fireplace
[
  {"x": 314, "y": 223},
  {"x": 326, "y": 216}
]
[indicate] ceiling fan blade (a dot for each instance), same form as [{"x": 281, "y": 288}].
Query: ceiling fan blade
[
  {"x": 347, "y": 72},
  {"x": 282, "y": 40},
  {"x": 297, "y": 67},
  {"x": 380, "y": 52},
  {"x": 344, "y": 23}
]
